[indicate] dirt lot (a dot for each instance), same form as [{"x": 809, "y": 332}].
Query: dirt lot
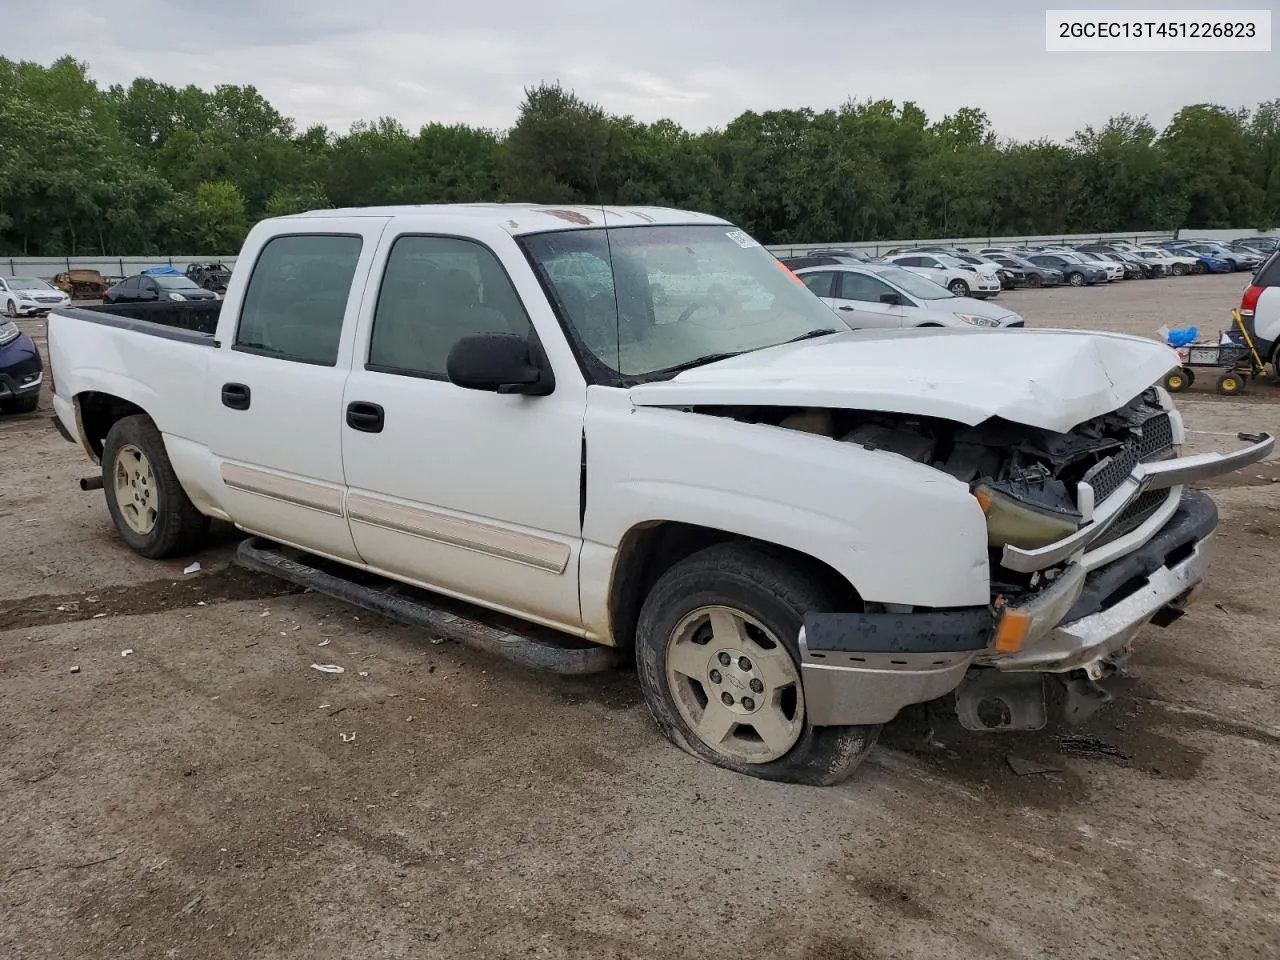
[{"x": 211, "y": 796}]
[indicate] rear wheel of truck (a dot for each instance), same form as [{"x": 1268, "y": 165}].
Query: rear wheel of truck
[
  {"x": 718, "y": 655},
  {"x": 150, "y": 509}
]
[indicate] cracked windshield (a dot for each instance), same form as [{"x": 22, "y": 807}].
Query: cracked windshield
[{"x": 647, "y": 302}]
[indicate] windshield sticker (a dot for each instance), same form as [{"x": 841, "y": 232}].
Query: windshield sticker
[{"x": 741, "y": 239}]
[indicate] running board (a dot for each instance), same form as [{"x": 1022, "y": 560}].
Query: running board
[{"x": 276, "y": 560}]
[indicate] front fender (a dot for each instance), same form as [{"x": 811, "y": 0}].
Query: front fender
[{"x": 899, "y": 531}]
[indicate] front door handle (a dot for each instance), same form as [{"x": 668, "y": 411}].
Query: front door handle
[
  {"x": 235, "y": 396},
  {"x": 847, "y": 309},
  {"x": 364, "y": 416}
]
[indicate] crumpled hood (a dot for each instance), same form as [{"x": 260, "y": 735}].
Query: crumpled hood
[{"x": 1052, "y": 379}]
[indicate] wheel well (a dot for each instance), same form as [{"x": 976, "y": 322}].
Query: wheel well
[
  {"x": 650, "y": 550},
  {"x": 99, "y": 412}
]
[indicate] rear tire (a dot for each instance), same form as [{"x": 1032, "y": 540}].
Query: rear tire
[
  {"x": 151, "y": 511},
  {"x": 1230, "y": 384},
  {"x": 1179, "y": 269},
  {"x": 1179, "y": 381},
  {"x": 736, "y": 609},
  {"x": 11, "y": 310}
]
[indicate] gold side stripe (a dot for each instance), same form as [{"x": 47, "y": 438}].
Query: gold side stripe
[
  {"x": 481, "y": 537},
  {"x": 302, "y": 493}
]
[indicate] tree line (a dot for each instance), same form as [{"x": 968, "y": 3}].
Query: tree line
[{"x": 153, "y": 169}]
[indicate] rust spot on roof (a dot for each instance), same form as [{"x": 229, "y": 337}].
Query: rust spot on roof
[{"x": 571, "y": 216}]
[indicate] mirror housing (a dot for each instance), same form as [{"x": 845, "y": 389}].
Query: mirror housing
[
  {"x": 892, "y": 299},
  {"x": 499, "y": 363}
]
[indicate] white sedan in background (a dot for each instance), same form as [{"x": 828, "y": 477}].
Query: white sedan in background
[
  {"x": 1175, "y": 263},
  {"x": 29, "y": 297},
  {"x": 962, "y": 279},
  {"x": 882, "y": 295},
  {"x": 1115, "y": 270}
]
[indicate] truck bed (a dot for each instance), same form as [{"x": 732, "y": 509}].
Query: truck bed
[{"x": 192, "y": 321}]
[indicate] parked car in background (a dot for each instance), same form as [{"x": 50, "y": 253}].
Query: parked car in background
[
  {"x": 1262, "y": 245},
  {"x": 1173, "y": 264},
  {"x": 21, "y": 370},
  {"x": 81, "y": 284},
  {"x": 1260, "y": 311},
  {"x": 1036, "y": 275},
  {"x": 1206, "y": 262},
  {"x": 1114, "y": 271},
  {"x": 152, "y": 288},
  {"x": 1133, "y": 269},
  {"x": 1076, "y": 272},
  {"x": 1238, "y": 261},
  {"x": 882, "y": 295},
  {"x": 29, "y": 297},
  {"x": 211, "y": 276},
  {"x": 840, "y": 253},
  {"x": 1010, "y": 277},
  {"x": 962, "y": 279}
]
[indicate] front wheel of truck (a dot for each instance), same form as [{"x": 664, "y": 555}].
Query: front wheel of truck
[
  {"x": 151, "y": 511},
  {"x": 718, "y": 657}
]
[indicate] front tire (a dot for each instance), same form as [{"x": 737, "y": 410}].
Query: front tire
[
  {"x": 1075, "y": 279},
  {"x": 718, "y": 657},
  {"x": 148, "y": 506},
  {"x": 1034, "y": 280},
  {"x": 958, "y": 288}
]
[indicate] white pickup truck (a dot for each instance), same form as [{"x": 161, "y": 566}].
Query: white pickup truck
[{"x": 795, "y": 529}]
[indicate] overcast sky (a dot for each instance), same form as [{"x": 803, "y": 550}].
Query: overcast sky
[{"x": 699, "y": 62}]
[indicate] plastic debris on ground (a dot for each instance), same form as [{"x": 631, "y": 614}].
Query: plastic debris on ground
[
  {"x": 127, "y": 653},
  {"x": 192, "y": 568},
  {"x": 328, "y": 668}
]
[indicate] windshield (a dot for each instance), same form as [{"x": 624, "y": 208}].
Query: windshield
[
  {"x": 175, "y": 283},
  {"x": 28, "y": 283},
  {"x": 644, "y": 302},
  {"x": 922, "y": 288}
]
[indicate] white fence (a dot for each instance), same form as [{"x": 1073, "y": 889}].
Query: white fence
[{"x": 114, "y": 267}]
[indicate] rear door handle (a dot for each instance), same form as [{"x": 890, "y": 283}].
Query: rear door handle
[
  {"x": 847, "y": 309},
  {"x": 235, "y": 396},
  {"x": 364, "y": 416}
]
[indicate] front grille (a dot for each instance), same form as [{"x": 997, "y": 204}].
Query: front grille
[
  {"x": 48, "y": 299},
  {"x": 1151, "y": 441},
  {"x": 1134, "y": 516}
]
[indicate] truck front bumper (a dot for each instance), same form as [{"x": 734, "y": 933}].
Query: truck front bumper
[{"x": 864, "y": 668}]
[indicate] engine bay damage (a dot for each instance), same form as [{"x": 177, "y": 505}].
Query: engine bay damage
[{"x": 1035, "y": 485}]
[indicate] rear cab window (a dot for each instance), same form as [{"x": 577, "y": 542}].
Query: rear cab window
[{"x": 297, "y": 297}]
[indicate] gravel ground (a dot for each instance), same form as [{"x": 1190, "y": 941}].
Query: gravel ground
[{"x": 210, "y": 796}]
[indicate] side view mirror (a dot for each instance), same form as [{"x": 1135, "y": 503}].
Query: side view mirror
[
  {"x": 499, "y": 363},
  {"x": 891, "y": 299}
]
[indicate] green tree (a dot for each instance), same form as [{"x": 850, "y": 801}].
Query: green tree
[{"x": 220, "y": 217}]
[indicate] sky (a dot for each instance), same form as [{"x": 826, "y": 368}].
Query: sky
[{"x": 698, "y": 62}]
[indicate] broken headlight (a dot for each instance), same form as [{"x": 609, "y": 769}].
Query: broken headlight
[{"x": 1029, "y": 510}]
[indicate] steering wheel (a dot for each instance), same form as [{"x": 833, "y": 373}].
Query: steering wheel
[{"x": 698, "y": 305}]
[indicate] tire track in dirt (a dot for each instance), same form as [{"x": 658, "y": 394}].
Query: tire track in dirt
[{"x": 154, "y": 596}]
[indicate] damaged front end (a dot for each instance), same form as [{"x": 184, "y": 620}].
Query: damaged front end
[{"x": 1092, "y": 534}]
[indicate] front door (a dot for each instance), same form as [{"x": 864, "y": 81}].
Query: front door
[
  {"x": 473, "y": 494},
  {"x": 275, "y": 403}
]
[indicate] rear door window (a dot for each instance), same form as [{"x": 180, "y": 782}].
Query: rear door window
[
  {"x": 821, "y": 283},
  {"x": 297, "y": 298}
]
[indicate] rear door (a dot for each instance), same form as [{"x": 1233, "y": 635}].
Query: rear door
[
  {"x": 274, "y": 394},
  {"x": 822, "y": 283},
  {"x": 857, "y": 300}
]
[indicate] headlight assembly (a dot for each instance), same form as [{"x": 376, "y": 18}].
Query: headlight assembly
[
  {"x": 1027, "y": 512},
  {"x": 976, "y": 321}
]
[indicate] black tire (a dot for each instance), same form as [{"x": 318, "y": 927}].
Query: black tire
[
  {"x": 1178, "y": 381},
  {"x": 1179, "y": 269},
  {"x": 11, "y": 310},
  {"x": 958, "y": 288},
  {"x": 1231, "y": 383},
  {"x": 1075, "y": 278},
  {"x": 776, "y": 595},
  {"x": 21, "y": 404},
  {"x": 1033, "y": 280},
  {"x": 179, "y": 527}
]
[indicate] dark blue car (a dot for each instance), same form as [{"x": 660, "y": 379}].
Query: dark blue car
[{"x": 21, "y": 370}]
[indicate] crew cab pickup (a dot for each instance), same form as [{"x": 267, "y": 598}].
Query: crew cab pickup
[{"x": 796, "y": 529}]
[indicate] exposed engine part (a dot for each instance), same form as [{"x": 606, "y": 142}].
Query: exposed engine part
[
  {"x": 875, "y": 436},
  {"x": 988, "y": 700},
  {"x": 813, "y": 420}
]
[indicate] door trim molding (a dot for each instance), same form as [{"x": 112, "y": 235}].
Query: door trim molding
[
  {"x": 533, "y": 551},
  {"x": 291, "y": 490}
]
